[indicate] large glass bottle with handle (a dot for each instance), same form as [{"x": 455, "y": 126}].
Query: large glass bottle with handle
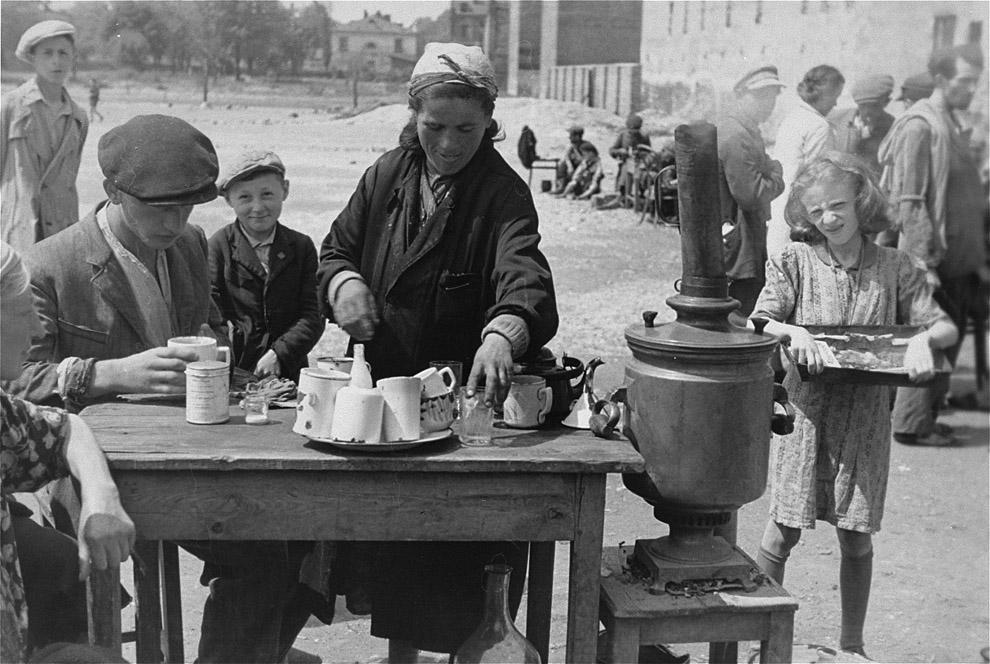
[{"x": 496, "y": 640}]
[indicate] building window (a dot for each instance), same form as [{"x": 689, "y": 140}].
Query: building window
[
  {"x": 975, "y": 32},
  {"x": 342, "y": 43},
  {"x": 670, "y": 18},
  {"x": 684, "y": 27},
  {"x": 728, "y": 13},
  {"x": 370, "y": 46},
  {"x": 759, "y": 12},
  {"x": 944, "y": 32},
  {"x": 804, "y": 6},
  {"x": 398, "y": 46},
  {"x": 824, "y": 6},
  {"x": 701, "y": 16}
]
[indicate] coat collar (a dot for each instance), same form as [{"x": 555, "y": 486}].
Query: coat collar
[{"x": 281, "y": 254}]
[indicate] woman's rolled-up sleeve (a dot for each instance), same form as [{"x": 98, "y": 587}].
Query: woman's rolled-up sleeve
[{"x": 779, "y": 294}]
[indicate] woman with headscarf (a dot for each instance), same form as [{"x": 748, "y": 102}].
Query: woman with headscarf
[
  {"x": 803, "y": 136},
  {"x": 436, "y": 257}
]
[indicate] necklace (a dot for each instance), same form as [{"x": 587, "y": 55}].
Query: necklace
[{"x": 834, "y": 263}]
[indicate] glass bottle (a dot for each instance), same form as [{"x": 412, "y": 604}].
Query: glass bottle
[
  {"x": 496, "y": 639},
  {"x": 360, "y": 371}
]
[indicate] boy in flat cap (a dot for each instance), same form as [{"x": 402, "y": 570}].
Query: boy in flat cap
[
  {"x": 42, "y": 132},
  {"x": 264, "y": 273},
  {"x": 860, "y": 130},
  {"x": 587, "y": 179},
  {"x": 919, "y": 86},
  {"x": 750, "y": 181},
  {"x": 110, "y": 291},
  {"x": 572, "y": 159}
]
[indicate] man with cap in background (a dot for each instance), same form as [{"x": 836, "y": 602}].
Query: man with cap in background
[
  {"x": 750, "y": 180},
  {"x": 110, "y": 291},
  {"x": 572, "y": 159},
  {"x": 860, "y": 130},
  {"x": 938, "y": 204},
  {"x": 919, "y": 86},
  {"x": 42, "y": 132}
]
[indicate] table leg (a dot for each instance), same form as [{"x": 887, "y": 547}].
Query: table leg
[
  {"x": 172, "y": 588},
  {"x": 103, "y": 607},
  {"x": 540, "y": 596},
  {"x": 623, "y": 643},
  {"x": 147, "y": 589},
  {"x": 585, "y": 569},
  {"x": 779, "y": 644}
]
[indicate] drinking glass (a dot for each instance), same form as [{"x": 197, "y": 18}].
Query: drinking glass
[{"x": 475, "y": 423}]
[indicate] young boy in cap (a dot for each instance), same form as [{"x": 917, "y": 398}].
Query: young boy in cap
[
  {"x": 572, "y": 158},
  {"x": 42, "y": 140},
  {"x": 587, "y": 179},
  {"x": 263, "y": 273},
  {"x": 624, "y": 151}
]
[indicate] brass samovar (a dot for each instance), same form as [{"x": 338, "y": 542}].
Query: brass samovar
[{"x": 699, "y": 393}]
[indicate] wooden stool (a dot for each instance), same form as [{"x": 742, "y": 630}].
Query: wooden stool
[
  {"x": 549, "y": 164},
  {"x": 634, "y": 617}
]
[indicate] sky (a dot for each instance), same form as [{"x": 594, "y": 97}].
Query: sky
[{"x": 401, "y": 11}]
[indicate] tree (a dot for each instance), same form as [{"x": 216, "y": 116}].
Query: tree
[{"x": 317, "y": 31}]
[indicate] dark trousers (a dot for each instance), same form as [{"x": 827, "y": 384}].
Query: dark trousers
[
  {"x": 256, "y": 606},
  {"x": 746, "y": 291},
  {"x": 55, "y": 596},
  {"x": 915, "y": 408}
]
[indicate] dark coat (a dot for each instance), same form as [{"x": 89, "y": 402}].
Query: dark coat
[
  {"x": 278, "y": 310},
  {"x": 88, "y": 309},
  {"x": 477, "y": 257}
]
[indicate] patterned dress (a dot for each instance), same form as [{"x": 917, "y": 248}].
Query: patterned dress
[
  {"x": 834, "y": 466},
  {"x": 32, "y": 453}
]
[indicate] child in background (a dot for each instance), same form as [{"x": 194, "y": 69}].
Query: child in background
[
  {"x": 587, "y": 179},
  {"x": 263, "y": 273},
  {"x": 42, "y": 140},
  {"x": 624, "y": 151},
  {"x": 834, "y": 466}
]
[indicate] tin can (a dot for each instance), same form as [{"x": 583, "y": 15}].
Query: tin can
[{"x": 207, "y": 392}]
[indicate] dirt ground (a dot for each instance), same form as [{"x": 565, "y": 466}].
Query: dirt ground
[{"x": 930, "y": 591}]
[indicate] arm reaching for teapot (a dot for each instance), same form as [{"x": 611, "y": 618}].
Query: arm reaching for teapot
[{"x": 354, "y": 309}]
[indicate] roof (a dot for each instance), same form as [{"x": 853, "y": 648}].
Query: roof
[{"x": 377, "y": 23}]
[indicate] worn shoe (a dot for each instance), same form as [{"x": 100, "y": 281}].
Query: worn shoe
[{"x": 934, "y": 439}]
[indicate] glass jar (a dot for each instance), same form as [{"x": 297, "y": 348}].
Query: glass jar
[{"x": 255, "y": 408}]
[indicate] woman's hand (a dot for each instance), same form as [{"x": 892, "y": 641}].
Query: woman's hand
[
  {"x": 804, "y": 349},
  {"x": 106, "y": 535},
  {"x": 918, "y": 359},
  {"x": 355, "y": 310},
  {"x": 493, "y": 361}
]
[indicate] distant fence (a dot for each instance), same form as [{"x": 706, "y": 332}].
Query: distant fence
[{"x": 615, "y": 87}]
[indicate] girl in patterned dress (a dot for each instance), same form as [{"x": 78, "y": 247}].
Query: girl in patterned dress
[{"x": 834, "y": 466}]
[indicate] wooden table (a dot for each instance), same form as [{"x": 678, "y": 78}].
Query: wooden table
[{"x": 236, "y": 481}]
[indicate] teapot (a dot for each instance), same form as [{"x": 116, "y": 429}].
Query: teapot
[{"x": 565, "y": 379}]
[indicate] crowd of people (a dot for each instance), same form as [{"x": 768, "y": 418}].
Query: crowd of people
[{"x": 436, "y": 256}]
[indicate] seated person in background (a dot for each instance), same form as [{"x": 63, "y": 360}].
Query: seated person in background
[
  {"x": 572, "y": 159},
  {"x": 624, "y": 151},
  {"x": 42, "y": 597},
  {"x": 263, "y": 273},
  {"x": 587, "y": 179}
]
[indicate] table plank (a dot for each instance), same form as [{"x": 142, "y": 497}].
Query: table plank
[{"x": 150, "y": 436}]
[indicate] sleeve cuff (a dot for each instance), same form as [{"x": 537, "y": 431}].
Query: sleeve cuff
[
  {"x": 337, "y": 281},
  {"x": 513, "y": 328},
  {"x": 74, "y": 377}
]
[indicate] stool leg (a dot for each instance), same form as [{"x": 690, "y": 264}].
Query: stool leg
[
  {"x": 623, "y": 643},
  {"x": 172, "y": 588},
  {"x": 103, "y": 607},
  {"x": 777, "y": 647},
  {"x": 148, "y": 600}
]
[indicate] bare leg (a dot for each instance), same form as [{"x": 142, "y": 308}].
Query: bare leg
[{"x": 402, "y": 652}]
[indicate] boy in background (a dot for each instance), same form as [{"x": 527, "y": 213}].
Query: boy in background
[
  {"x": 587, "y": 179},
  {"x": 263, "y": 274}
]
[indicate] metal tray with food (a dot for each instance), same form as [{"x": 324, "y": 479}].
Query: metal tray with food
[{"x": 866, "y": 354}]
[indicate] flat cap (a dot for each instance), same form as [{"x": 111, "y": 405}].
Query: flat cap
[
  {"x": 877, "y": 87},
  {"x": 247, "y": 163},
  {"x": 160, "y": 160},
  {"x": 762, "y": 77},
  {"x": 919, "y": 86},
  {"x": 39, "y": 31},
  {"x": 575, "y": 129}
]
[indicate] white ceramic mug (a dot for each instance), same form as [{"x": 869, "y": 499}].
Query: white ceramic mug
[
  {"x": 400, "y": 416},
  {"x": 528, "y": 402},
  {"x": 206, "y": 348},
  {"x": 437, "y": 381},
  {"x": 357, "y": 415},
  {"x": 315, "y": 405}
]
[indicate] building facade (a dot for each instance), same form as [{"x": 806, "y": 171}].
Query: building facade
[{"x": 375, "y": 45}]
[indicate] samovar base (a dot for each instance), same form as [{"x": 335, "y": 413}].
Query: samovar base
[{"x": 669, "y": 560}]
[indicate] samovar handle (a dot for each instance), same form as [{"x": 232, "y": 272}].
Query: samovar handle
[
  {"x": 782, "y": 415},
  {"x": 606, "y": 413}
]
